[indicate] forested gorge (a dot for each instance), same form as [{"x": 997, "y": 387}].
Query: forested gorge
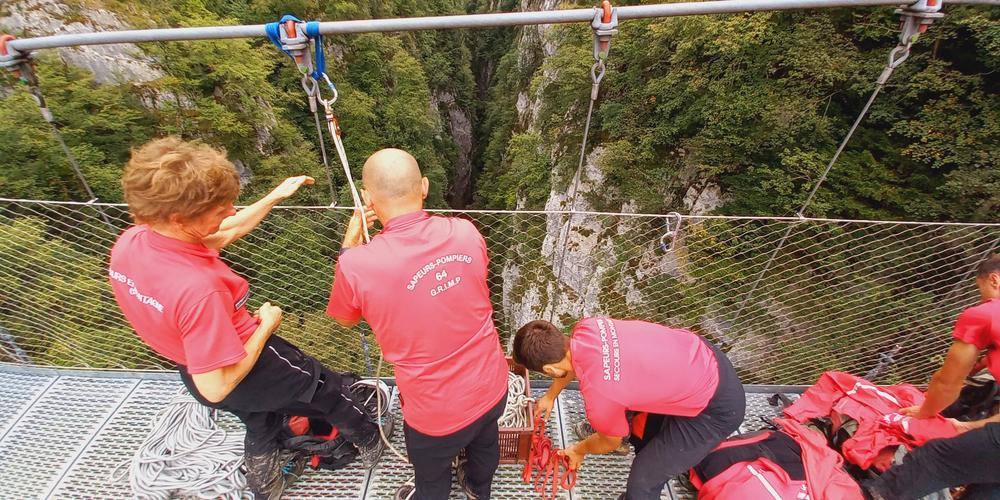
[
  {"x": 755, "y": 103},
  {"x": 745, "y": 109}
]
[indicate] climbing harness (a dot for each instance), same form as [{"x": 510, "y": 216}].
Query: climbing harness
[
  {"x": 515, "y": 412},
  {"x": 319, "y": 442},
  {"x": 605, "y": 25},
  {"x": 186, "y": 455},
  {"x": 915, "y": 19},
  {"x": 20, "y": 65},
  {"x": 547, "y": 470}
]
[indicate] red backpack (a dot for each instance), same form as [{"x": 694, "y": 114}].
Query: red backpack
[{"x": 792, "y": 463}]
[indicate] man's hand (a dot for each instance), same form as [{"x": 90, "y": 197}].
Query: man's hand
[
  {"x": 543, "y": 407},
  {"x": 963, "y": 427},
  {"x": 242, "y": 222},
  {"x": 217, "y": 384},
  {"x": 355, "y": 234},
  {"x": 915, "y": 412},
  {"x": 288, "y": 187},
  {"x": 575, "y": 456},
  {"x": 269, "y": 315}
]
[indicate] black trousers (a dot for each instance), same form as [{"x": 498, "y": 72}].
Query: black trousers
[
  {"x": 286, "y": 381},
  {"x": 432, "y": 456},
  {"x": 970, "y": 458},
  {"x": 681, "y": 442}
]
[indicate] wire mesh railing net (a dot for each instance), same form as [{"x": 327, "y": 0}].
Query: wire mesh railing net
[{"x": 839, "y": 295}]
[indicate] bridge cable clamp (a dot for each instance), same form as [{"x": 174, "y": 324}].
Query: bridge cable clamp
[
  {"x": 15, "y": 61},
  {"x": 605, "y": 25},
  {"x": 914, "y": 20}
]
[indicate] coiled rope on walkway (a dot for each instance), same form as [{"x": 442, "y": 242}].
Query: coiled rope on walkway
[{"x": 186, "y": 454}]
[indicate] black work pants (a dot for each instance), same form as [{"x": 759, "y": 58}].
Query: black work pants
[
  {"x": 286, "y": 381},
  {"x": 432, "y": 456},
  {"x": 681, "y": 442},
  {"x": 971, "y": 458}
]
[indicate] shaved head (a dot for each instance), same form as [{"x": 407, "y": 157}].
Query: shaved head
[{"x": 392, "y": 175}]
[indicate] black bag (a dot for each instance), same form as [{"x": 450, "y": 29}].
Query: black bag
[{"x": 319, "y": 441}]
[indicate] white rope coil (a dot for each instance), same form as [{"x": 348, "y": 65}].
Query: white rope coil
[
  {"x": 186, "y": 455},
  {"x": 515, "y": 413}
]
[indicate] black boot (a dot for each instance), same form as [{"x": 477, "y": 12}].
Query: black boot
[
  {"x": 264, "y": 475},
  {"x": 459, "y": 466}
]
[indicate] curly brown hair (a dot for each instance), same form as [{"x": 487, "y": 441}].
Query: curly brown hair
[{"x": 173, "y": 176}]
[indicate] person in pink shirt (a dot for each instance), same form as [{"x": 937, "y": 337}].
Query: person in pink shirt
[
  {"x": 686, "y": 385},
  {"x": 191, "y": 308},
  {"x": 973, "y": 457},
  {"x": 421, "y": 285}
]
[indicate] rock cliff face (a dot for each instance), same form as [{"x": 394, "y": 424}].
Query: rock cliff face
[
  {"x": 573, "y": 250},
  {"x": 109, "y": 63},
  {"x": 583, "y": 263},
  {"x": 458, "y": 124}
]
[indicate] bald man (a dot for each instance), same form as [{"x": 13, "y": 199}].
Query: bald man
[{"x": 421, "y": 285}]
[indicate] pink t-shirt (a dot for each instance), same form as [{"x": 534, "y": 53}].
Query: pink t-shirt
[
  {"x": 421, "y": 285},
  {"x": 182, "y": 300},
  {"x": 640, "y": 366},
  {"x": 980, "y": 326}
]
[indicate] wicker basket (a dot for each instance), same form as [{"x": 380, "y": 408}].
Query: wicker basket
[{"x": 515, "y": 443}]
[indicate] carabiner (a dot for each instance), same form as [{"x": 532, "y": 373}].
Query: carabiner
[
  {"x": 674, "y": 220},
  {"x": 332, "y": 87}
]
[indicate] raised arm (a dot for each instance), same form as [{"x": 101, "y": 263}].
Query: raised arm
[{"x": 244, "y": 221}]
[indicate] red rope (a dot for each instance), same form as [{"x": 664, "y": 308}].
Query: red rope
[{"x": 547, "y": 470}]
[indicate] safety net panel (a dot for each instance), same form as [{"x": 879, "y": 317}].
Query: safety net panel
[{"x": 860, "y": 296}]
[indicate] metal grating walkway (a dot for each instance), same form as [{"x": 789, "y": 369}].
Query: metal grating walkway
[{"x": 63, "y": 432}]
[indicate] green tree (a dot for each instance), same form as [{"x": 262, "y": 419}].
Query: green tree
[
  {"x": 99, "y": 123},
  {"x": 56, "y": 303}
]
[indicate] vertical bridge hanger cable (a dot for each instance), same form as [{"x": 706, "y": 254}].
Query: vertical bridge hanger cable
[
  {"x": 914, "y": 20},
  {"x": 19, "y": 63},
  {"x": 605, "y": 25}
]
